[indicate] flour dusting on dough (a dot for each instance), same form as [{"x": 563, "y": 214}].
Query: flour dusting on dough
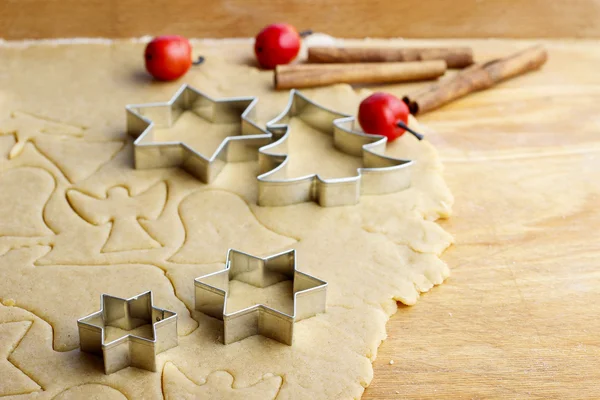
[{"x": 66, "y": 251}]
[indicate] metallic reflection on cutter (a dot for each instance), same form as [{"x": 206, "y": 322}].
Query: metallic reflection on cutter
[
  {"x": 148, "y": 153},
  {"x": 130, "y": 349},
  {"x": 212, "y": 291},
  {"x": 380, "y": 174}
]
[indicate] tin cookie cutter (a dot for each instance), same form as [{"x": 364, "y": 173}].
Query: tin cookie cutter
[
  {"x": 380, "y": 175},
  {"x": 130, "y": 349},
  {"x": 149, "y": 152},
  {"x": 212, "y": 290}
]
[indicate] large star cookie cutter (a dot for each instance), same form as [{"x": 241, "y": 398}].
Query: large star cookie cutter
[
  {"x": 380, "y": 175},
  {"x": 149, "y": 152},
  {"x": 132, "y": 349},
  {"x": 212, "y": 291}
]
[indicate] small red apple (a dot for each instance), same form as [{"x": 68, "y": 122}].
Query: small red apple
[
  {"x": 168, "y": 57},
  {"x": 385, "y": 114}
]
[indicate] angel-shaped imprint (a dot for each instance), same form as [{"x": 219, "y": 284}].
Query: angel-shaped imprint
[{"x": 124, "y": 212}]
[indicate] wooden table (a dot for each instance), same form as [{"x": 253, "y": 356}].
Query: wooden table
[
  {"x": 37, "y": 19},
  {"x": 520, "y": 315}
]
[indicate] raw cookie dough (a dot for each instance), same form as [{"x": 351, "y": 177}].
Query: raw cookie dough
[{"x": 76, "y": 220}]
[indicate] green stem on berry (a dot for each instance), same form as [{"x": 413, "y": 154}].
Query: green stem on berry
[
  {"x": 199, "y": 61},
  {"x": 306, "y": 33},
  {"x": 406, "y": 128}
]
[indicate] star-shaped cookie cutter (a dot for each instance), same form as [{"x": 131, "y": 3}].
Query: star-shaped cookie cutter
[
  {"x": 130, "y": 349},
  {"x": 142, "y": 119},
  {"x": 212, "y": 290},
  {"x": 380, "y": 175}
]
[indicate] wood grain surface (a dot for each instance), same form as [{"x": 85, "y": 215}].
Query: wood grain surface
[
  {"x": 342, "y": 18},
  {"x": 519, "y": 317}
]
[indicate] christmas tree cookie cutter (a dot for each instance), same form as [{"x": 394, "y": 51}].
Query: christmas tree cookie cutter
[
  {"x": 212, "y": 290},
  {"x": 129, "y": 349},
  {"x": 149, "y": 152},
  {"x": 380, "y": 175}
]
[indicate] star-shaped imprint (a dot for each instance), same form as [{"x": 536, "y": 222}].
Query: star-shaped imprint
[
  {"x": 25, "y": 127},
  {"x": 380, "y": 175},
  {"x": 212, "y": 292},
  {"x": 14, "y": 381},
  {"x": 75, "y": 154},
  {"x": 151, "y": 152},
  {"x": 128, "y": 332}
]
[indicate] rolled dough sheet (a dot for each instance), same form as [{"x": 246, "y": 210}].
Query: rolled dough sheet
[{"x": 76, "y": 220}]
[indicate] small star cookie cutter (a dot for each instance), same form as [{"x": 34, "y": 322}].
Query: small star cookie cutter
[
  {"x": 212, "y": 291},
  {"x": 142, "y": 119},
  {"x": 129, "y": 349},
  {"x": 380, "y": 175}
]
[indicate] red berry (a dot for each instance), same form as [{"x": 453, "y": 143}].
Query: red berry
[
  {"x": 380, "y": 113},
  {"x": 276, "y": 44},
  {"x": 168, "y": 57}
]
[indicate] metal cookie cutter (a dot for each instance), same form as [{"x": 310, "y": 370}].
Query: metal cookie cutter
[
  {"x": 212, "y": 292},
  {"x": 380, "y": 174},
  {"x": 152, "y": 153},
  {"x": 131, "y": 349}
]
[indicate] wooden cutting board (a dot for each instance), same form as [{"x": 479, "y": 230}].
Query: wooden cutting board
[{"x": 520, "y": 315}]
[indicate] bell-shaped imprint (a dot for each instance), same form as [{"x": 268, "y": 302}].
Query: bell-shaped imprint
[
  {"x": 218, "y": 385},
  {"x": 23, "y": 195},
  {"x": 123, "y": 211},
  {"x": 215, "y": 221}
]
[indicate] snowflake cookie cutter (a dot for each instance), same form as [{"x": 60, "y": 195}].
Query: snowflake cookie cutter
[
  {"x": 129, "y": 349},
  {"x": 142, "y": 119},
  {"x": 380, "y": 175},
  {"x": 212, "y": 290}
]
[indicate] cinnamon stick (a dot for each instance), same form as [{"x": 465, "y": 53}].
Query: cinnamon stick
[
  {"x": 311, "y": 75},
  {"x": 475, "y": 78},
  {"x": 455, "y": 57}
]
